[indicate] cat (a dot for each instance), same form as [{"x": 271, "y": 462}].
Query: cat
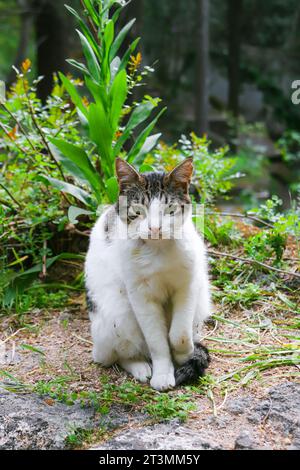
[{"x": 148, "y": 288}]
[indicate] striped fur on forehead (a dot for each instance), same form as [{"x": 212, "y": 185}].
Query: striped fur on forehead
[{"x": 154, "y": 185}]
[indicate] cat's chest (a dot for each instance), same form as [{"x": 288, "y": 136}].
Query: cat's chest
[{"x": 167, "y": 266}]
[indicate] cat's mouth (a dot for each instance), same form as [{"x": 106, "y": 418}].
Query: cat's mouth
[{"x": 151, "y": 237}]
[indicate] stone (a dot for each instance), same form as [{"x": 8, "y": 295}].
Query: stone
[
  {"x": 239, "y": 405},
  {"x": 281, "y": 408},
  {"x": 245, "y": 441},
  {"x": 169, "y": 436},
  {"x": 28, "y": 421}
]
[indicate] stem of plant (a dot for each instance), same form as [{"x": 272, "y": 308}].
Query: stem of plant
[
  {"x": 20, "y": 126},
  {"x": 252, "y": 261},
  {"x": 10, "y": 195}
]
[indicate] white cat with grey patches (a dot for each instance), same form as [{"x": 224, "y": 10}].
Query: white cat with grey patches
[{"x": 148, "y": 294}]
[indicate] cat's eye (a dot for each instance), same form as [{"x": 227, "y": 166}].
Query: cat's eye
[
  {"x": 171, "y": 210},
  {"x": 136, "y": 211}
]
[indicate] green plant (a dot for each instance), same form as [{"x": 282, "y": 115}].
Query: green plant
[
  {"x": 281, "y": 225},
  {"x": 32, "y": 216},
  {"x": 245, "y": 295},
  {"x": 160, "y": 406},
  {"x": 165, "y": 407},
  {"x": 266, "y": 244},
  {"x": 289, "y": 146},
  {"x": 214, "y": 172},
  {"x": 78, "y": 436},
  {"x": 107, "y": 117}
]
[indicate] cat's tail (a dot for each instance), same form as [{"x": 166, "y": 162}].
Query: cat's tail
[{"x": 193, "y": 369}]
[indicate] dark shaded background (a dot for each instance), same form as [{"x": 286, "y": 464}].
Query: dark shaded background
[{"x": 223, "y": 67}]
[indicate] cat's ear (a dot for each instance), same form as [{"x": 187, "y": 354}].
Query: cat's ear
[
  {"x": 181, "y": 175},
  {"x": 126, "y": 174}
]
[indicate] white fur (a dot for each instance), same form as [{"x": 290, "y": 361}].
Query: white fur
[{"x": 151, "y": 298}]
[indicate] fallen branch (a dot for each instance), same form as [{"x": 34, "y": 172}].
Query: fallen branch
[
  {"x": 242, "y": 216},
  {"x": 252, "y": 261}
]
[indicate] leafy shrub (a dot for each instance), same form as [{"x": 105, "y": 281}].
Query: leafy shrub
[
  {"x": 266, "y": 244},
  {"x": 107, "y": 117},
  {"x": 31, "y": 215},
  {"x": 214, "y": 170},
  {"x": 282, "y": 226},
  {"x": 289, "y": 146}
]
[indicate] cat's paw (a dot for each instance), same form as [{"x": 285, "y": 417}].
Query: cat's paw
[
  {"x": 141, "y": 371},
  {"x": 163, "y": 382}
]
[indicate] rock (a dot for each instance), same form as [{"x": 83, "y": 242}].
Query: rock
[
  {"x": 282, "y": 408},
  {"x": 239, "y": 405},
  {"x": 30, "y": 422},
  {"x": 170, "y": 436},
  {"x": 118, "y": 416},
  {"x": 296, "y": 442},
  {"x": 218, "y": 422},
  {"x": 245, "y": 441}
]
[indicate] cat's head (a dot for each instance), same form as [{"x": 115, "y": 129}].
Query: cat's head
[{"x": 154, "y": 205}]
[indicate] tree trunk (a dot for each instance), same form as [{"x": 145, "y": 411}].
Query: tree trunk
[
  {"x": 234, "y": 15},
  {"x": 202, "y": 68},
  {"x": 25, "y": 32},
  {"x": 52, "y": 40}
]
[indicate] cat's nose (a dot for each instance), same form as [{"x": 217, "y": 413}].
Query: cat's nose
[{"x": 155, "y": 231}]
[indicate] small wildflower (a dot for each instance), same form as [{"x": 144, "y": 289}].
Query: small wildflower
[
  {"x": 135, "y": 62},
  {"x": 85, "y": 101},
  {"x": 13, "y": 133},
  {"x": 26, "y": 65}
]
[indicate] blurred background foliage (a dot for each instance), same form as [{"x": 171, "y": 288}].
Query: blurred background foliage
[
  {"x": 234, "y": 85},
  {"x": 225, "y": 71}
]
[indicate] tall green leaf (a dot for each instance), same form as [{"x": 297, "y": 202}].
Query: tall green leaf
[
  {"x": 78, "y": 156},
  {"x": 101, "y": 133},
  {"x": 92, "y": 11},
  {"x": 98, "y": 91},
  {"x": 118, "y": 95},
  {"x": 69, "y": 165},
  {"x": 79, "y": 66},
  {"x": 120, "y": 39},
  {"x": 138, "y": 116},
  {"x": 68, "y": 188},
  {"x": 88, "y": 34},
  {"x": 140, "y": 141},
  {"x": 149, "y": 144},
  {"x": 130, "y": 51},
  {"x": 108, "y": 38},
  {"x": 112, "y": 189},
  {"x": 75, "y": 97},
  {"x": 92, "y": 61}
]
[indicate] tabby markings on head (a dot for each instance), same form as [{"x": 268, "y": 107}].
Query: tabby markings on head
[{"x": 141, "y": 189}]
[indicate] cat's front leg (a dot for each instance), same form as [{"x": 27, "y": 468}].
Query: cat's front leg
[
  {"x": 181, "y": 331},
  {"x": 150, "y": 316}
]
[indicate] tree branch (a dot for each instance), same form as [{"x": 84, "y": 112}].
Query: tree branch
[
  {"x": 252, "y": 261},
  {"x": 242, "y": 216}
]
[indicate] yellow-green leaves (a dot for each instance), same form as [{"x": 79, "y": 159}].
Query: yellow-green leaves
[
  {"x": 112, "y": 189},
  {"x": 118, "y": 95},
  {"x": 105, "y": 117},
  {"x": 101, "y": 134},
  {"x": 81, "y": 164}
]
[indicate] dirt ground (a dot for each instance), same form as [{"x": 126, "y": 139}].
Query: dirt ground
[{"x": 51, "y": 344}]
